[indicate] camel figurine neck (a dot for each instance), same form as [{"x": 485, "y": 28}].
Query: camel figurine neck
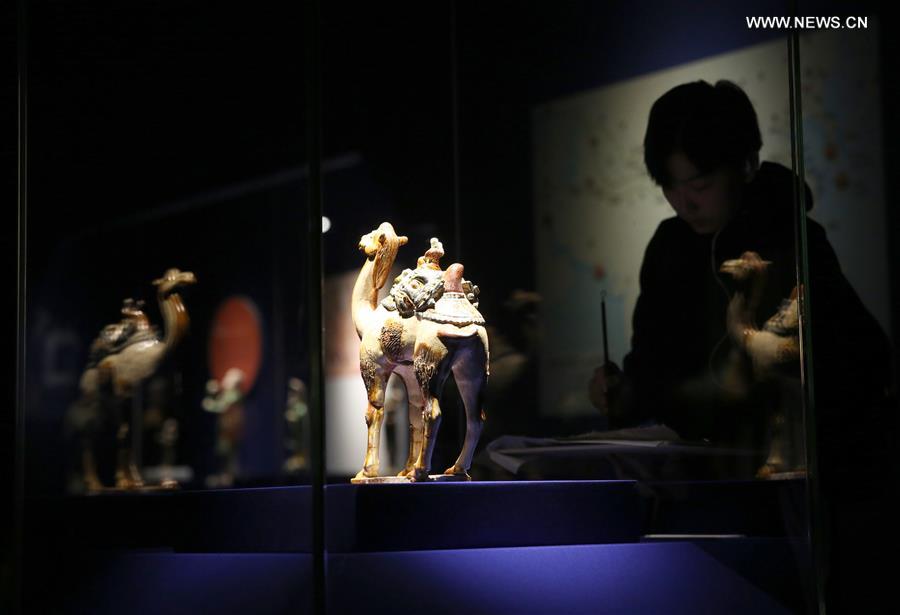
[
  {"x": 756, "y": 290},
  {"x": 365, "y": 294},
  {"x": 175, "y": 318}
]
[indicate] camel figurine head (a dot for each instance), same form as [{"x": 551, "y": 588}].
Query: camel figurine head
[
  {"x": 381, "y": 246},
  {"x": 743, "y": 268},
  {"x": 172, "y": 280}
]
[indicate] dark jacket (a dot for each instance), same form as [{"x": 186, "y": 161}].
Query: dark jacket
[{"x": 679, "y": 320}]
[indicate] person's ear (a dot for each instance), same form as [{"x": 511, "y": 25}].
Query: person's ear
[{"x": 751, "y": 166}]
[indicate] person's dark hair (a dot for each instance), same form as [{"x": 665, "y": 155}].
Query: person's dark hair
[{"x": 712, "y": 125}]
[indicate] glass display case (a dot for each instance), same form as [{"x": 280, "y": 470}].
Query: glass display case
[
  {"x": 167, "y": 359},
  {"x": 453, "y": 307}
]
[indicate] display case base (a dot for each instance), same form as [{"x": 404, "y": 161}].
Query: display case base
[
  {"x": 381, "y": 480},
  {"x": 161, "y": 488},
  {"x": 785, "y": 475},
  {"x": 397, "y": 480}
]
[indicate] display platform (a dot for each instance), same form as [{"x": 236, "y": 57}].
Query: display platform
[
  {"x": 493, "y": 547},
  {"x": 260, "y": 520},
  {"x": 481, "y": 514},
  {"x": 147, "y": 583},
  {"x": 757, "y": 508},
  {"x": 667, "y": 578}
]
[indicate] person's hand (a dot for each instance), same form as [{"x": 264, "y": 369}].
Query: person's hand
[{"x": 606, "y": 378}]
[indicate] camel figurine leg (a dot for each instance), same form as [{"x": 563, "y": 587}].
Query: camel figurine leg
[
  {"x": 376, "y": 383},
  {"x": 431, "y": 372},
  {"x": 470, "y": 380},
  {"x": 432, "y": 418},
  {"x": 127, "y": 474},
  {"x": 90, "y": 477},
  {"x": 775, "y": 462},
  {"x": 135, "y": 425},
  {"x": 124, "y": 393},
  {"x": 374, "y": 420},
  {"x": 123, "y": 458},
  {"x": 137, "y": 480},
  {"x": 416, "y": 422},
  {"x": 89, "y": 429},
  {"x": 416, "y": 439}
]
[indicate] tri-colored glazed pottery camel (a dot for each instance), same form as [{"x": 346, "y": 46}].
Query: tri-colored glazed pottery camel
[
  {"x": 122, "y": 357},
  {"x": 427, "y": 328},
  {"x": 773, "y": 351}
]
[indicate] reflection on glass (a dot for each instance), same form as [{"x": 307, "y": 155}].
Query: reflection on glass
[
  {"x": 179, "y": 143},
  {"x": 698, "y": 361},
  {"x": 846, "y": 102},
  {"x": 640, "y": 317},
  {"x": 144, "y": 384}
]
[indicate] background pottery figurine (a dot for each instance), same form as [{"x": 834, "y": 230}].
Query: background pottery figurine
[
  {"x": 296, "y": 416},
  {"x": 122, "y": 357},
  {"x": 426, "y": 329},
  {"x": 167, "y": 438},
  {"x": 226, "y": 399},
  {"x": 774, "y": 353}
]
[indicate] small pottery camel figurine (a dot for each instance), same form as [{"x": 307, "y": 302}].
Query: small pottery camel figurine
[
  {"x": 122, "y": 357},
  {"x": 778, "y": 341},
  {"x": 428, "y": 327},
  {"x": 771, "y": 348}
]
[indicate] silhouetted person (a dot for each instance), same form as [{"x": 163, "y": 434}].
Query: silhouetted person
[{"x": 702, "y": 148}]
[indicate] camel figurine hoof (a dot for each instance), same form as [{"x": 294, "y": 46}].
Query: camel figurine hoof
[
  {"x": 456, "y": 470},
  {"x": 91, "y": 487},
  {"x": 367, "y": 473},
  {"x": 765, "y": 471},
  {"x": 126, "y": 484},
  {"x": 769, "y": 471}
]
